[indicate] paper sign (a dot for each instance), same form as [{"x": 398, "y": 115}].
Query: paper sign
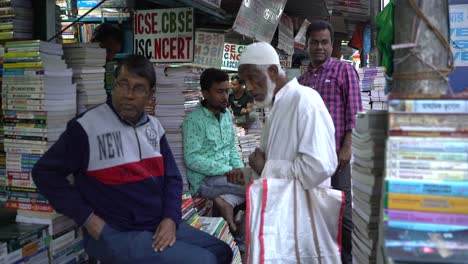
[
  {"x": 286, "y": 35},
  {"x": 209, "y": 49},
  {"x": 300, "y": 38},
  {"x": 258, "y": 19},
  {"x": 231, "y": 55}
]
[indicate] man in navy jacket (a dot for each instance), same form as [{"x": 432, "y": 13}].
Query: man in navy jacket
[{"x": 127, "y": 188}]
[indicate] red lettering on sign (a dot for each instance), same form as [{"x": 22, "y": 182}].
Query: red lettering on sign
[
  {"x": 189, "y": 44},
  {"x": 155, "y": 23},
  {"x": 180, "y": 48},
  {"x": 138, "y": 28},
  {"x": 157, "y": 48},
  {"x": 148, "y": 23},
  {"x": 233, "y": 49},
  {"x": 226, "y": 48},
  {"x": 173, "y": 48}
]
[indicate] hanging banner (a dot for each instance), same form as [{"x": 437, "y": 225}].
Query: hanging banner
[
  {"x": 215, "y": 3},
  {"x": 258, "y": 19},
  {"x": 300, "y": 38},
  {"x": 286, "y": 35},
  {"x": 231, "y": 55},
  {"x": 458, "y": 17},
  {"x": 164, "y": 35},
  {"x": 208, "y": 49}
]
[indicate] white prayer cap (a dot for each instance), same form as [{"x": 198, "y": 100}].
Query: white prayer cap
[{"x": 259, "y": 53}]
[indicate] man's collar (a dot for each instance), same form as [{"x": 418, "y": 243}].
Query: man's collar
[
  {"x": 207, "y": 111},
  {"x": 325, "y": 65},
  {"x": 285, "y": 89}
]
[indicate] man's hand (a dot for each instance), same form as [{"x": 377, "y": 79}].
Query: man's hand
[
  {"x": 94, "y": 226},
  {"x": 344, "y": 155},
  {"x": 257, "y": 161},
  {"x": 165, "y": 235},
  {"x": 244, "y": 111},
  {"x": 235, "y": 176}
]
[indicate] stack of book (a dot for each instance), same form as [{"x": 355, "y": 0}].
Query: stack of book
[
  {"x": 24, "y": 243},
  {"x": 189, "y": 212},
  {"x": 372, "y": 84},
  {"x": 3, "y": 178},
  {"x": 368, "y": 148},
  {"x": 38, "y": 100},
  {"x": 426, "y": 198},
  {"x": 177, "y": 89},
  {"x": 66, "y": 239},
  {"x": 216, "y": 226},
  {"x": 248, "y": 141},
  {"x": 16, "y": 19},
  {"x": 87, "y": 61},
  {"x": 203, "y": 206}
]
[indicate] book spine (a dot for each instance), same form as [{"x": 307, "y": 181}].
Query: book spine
[
  {"x": 431, "y": 144},
  {"x": 29, "y": 195},
  {"x": 428, "y": 122},
  {"x": 427, "y": 134},
  {"x": 21, "y": 183},
  {"x": 441, "y": 106},
  {"x": 425, "y": 165},
  {"x": 43, "y": 208},
  {"x": 19, "y": 65},
  {"x": 445, "y": 188},
  {"x": 11, "y": 55},
  {"x": 14, "y": 175},
  {"x": 429, "y": 218},
  {"x": 426, "y": 155},
  {"x": 431, "y": 175},
  {"x": 28, "y": 200},
  {"x": 24, "y": 115},
  {"x": 26, "y": 107},
  {"x": 425, "y": 226},
  {"x": 21, "y": 189},
  {"x": 426, "y": 203},
  {"x": 19, "y": 95}
]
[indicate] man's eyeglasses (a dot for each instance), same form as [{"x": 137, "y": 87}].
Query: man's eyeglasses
[{"x": 137, "y": 90}]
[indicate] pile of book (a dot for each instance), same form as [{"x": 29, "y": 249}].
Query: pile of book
[
  {"x": 16, "y": 19},
  {"x": 216, "y": 226},
  {"x": 248, "y": 141},
  {"x": 372, "y": 84},
  {"x": 176, "y": 90},
  {"x": 426, "y": 199},
  {"x": 39, "y": 99},
  {"x": 24, "y": 243},
  {"x": 3, "y": 178},
  {"x": 189, "y": 212},
  {"x": 368, "y": 148},
  {"x": 66, "y": 240},
  {"x": 87, "y": 61}
]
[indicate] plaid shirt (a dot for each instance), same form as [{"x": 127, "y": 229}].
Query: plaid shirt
[{"x": 338, "y": 84}]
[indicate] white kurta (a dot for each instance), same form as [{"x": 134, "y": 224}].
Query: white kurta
[{"x": 299, "y": 138}]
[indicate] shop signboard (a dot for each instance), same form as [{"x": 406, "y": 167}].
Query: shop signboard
[
  {"x": 231, "y": 55},
  {"x": 258, "y": 19},
  {"x": 208, "y": 49},
  {"x": 164, "y": 35},
  {"x": 286, "y": 35}
]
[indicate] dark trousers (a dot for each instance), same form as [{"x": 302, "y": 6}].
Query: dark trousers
[
  {"x": 134, "y": 247},
  {"x": 341, "y": 180}
]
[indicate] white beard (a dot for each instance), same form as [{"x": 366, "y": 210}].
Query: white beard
[{"x": 269, "y": 96}]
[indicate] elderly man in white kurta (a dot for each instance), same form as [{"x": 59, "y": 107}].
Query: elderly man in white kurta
[{"x": 298, "y": 139}]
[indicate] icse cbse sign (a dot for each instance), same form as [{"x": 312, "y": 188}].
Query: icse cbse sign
[{"x": 164, "y": 35}]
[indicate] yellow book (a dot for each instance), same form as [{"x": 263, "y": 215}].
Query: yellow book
[
  {"x": 427, "y": 203},
  {"x": 19, "y": 65},
  {"x": 11, "y": 55}
]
